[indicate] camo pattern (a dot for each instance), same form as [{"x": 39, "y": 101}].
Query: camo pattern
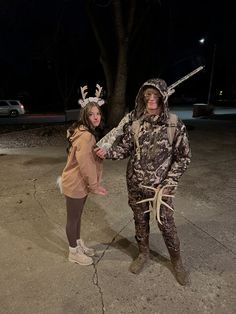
[
  {"x": 142, "y": 228},
  {"x": 160, "y": 163}
]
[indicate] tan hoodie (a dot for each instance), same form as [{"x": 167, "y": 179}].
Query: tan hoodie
[{"x": 83, "y": 169}]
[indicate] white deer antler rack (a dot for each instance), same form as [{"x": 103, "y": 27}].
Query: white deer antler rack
[
  {"x": 156, "y": 201},
  {"x": 83, "y": 93},
  {"x": 98, "y": 90},
  {"x": 84, "y": 101}
]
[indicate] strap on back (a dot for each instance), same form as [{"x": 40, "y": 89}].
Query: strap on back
[
  {"x": 135, "y": 130},
  {"x": 171, "y": 128}
]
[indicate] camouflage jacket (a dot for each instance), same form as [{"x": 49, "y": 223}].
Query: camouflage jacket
[{"x": 160, "y": 163}]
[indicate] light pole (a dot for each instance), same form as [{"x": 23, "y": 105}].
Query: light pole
[
  {"x": 206, "y": 109},
  {"x": 202, "y": 41},
  {"x": 212, "y": 74}
]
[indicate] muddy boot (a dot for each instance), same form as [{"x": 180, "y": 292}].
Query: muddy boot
[
  {"x": 181, "y": 275},
  {"x": 138, "y": 264}
]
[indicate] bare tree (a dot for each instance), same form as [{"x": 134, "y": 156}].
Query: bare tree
[{"x": 116, "y": 37}]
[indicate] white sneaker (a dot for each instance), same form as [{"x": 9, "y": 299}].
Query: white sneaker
[
  {"x": 85, "y": 249},
  {"x": 79, "y": 257}
]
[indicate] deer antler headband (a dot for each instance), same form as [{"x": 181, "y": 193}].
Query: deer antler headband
[{"x": 84, "y": 101}]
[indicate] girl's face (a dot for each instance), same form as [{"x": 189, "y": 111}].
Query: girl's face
[{"x": 94, "y": 116}]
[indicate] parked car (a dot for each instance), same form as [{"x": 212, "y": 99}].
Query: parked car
[{"x": 12, "y": 108}]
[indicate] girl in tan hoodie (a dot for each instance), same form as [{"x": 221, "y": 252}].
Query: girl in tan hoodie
[{"x": 81, "y": 176}]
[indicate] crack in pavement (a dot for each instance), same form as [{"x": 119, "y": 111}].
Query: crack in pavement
[
  {"x": 95, "y": 278},
  {"x": 208, "y": 234},
  {"x": 96, "y": 283}
]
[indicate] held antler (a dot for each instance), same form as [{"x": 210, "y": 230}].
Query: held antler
[
  {"x": 98, "y": 90},
  {"x": 156, "y": 201}
]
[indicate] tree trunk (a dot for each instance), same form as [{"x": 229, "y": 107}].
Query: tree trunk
[
  {"x": 115, "y": 72},
  {"x": 104, "y": 57},
  {"x": 117, "y": 110}
]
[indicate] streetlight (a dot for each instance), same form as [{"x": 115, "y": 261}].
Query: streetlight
[
  {"x": 206, "y": 109},
  {"x": 202, "y": 41}
]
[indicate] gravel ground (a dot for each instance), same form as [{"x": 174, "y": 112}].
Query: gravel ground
[{"x": 32, "y": 136}]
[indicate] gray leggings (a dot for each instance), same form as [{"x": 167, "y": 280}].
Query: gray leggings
[{"x": 74, "y": 208}]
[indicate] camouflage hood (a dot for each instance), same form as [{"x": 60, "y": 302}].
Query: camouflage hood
[{"x": 161, "y": 86}]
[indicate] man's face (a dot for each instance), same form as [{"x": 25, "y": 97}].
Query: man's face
[{"x": 152, "y": 98}]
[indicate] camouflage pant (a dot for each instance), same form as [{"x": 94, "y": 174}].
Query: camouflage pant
[{"x": 142, "y": 229}]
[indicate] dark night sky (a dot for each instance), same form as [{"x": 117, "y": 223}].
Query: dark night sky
[{"x": 47, "y": 46}]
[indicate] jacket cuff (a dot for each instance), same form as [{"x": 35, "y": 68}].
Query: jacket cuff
[{"x": 93, "y": 187}]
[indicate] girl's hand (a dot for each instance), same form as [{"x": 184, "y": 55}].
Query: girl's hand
[
  {"x": 100, "y": 152},
  {"x": 100, "y": 190}
]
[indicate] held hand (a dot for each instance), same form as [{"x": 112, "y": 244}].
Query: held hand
[
  {"x": 100, "y": 152},
  {"x": 100, "y": 190}
]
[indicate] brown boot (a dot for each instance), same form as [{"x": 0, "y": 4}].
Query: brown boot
[
  {"x": 138, "y": 264},
  {"x": 181, "y": 275}
]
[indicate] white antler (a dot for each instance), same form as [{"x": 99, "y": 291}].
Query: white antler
[
  {"x": 84, "y": 101},
  {"x": 98, "y": 90},
  {"x": 83, "y": 93},
  {"x": 156, "y": 201}
]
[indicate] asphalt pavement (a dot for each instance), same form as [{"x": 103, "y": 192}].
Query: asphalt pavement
[{"x": 36, "y": 276}]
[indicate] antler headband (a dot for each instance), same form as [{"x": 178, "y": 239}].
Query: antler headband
[{"x": 84, "y": 101}]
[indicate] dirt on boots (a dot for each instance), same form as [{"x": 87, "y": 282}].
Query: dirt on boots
[
  {"x": 138, "y": 264},
  {"x": 181, "y": 275}
]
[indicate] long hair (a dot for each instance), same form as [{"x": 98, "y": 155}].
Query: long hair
[{"x": 85, "y": 122}]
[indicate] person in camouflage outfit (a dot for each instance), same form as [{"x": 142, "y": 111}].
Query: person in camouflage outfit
[{"x": 153, "y": 162}]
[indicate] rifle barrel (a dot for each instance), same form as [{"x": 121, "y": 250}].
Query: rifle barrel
[{"x": 185, "y": 77}]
